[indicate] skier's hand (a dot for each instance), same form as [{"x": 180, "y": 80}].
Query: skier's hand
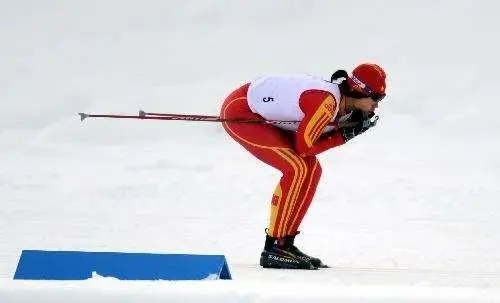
[{"x": 362, "y": 122}]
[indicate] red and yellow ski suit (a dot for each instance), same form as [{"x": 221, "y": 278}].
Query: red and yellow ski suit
[{"x": 291, "y": 152}]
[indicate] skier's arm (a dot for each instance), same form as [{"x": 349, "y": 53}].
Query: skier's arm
[{"x": 318, "y": 108}]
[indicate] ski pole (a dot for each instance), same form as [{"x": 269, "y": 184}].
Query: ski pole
[
  {"x": 218, "y": 119},
  {"x": 180, "y": 117},
  {"x": 201, "y": 118},
  {"x": 143, "y": 113}
]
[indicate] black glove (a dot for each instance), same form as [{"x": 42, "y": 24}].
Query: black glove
[{"x": 358, "y": 122}]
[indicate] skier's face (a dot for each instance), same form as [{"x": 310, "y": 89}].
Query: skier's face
[{"x": 366, "y": 104}]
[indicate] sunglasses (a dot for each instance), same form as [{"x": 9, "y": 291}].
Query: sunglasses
[
  {"x": 368, "y": 92},
  {"x": 377, "y": 97}
]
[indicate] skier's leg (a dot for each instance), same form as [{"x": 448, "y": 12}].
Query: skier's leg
[
  {"x": 274, "y": 147},
  {"x": 306, "y": 194},
  {"x": 300, "y": 208}
]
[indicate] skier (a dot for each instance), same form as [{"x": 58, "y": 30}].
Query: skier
[{"x": 292, "y": 147}]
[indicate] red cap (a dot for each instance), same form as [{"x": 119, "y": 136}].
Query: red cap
[{"x": 368, "y": 77}]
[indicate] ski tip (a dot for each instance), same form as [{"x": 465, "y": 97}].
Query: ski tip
[{"x": 83, "y": 116}]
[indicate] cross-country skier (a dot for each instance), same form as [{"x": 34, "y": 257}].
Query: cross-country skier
[{"x": 292, "y": 147}]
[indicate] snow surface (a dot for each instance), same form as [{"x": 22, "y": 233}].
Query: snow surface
[{"x": 406, "y": 213}]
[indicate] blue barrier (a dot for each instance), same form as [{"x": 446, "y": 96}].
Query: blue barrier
[{"x": 74, "y": 265}]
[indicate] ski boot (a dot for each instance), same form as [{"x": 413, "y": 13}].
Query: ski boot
[
  {"x": 277, "y": 255},
  {"x": 300, "y": 255}
]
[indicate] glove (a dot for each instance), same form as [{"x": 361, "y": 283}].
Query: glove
[{"x": 358, "y": 122}]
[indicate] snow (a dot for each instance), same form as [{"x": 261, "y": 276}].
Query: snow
[{"x": 407, "y": 212}]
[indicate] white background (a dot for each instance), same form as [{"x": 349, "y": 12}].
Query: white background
[{"x": 415, "y": 198}]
